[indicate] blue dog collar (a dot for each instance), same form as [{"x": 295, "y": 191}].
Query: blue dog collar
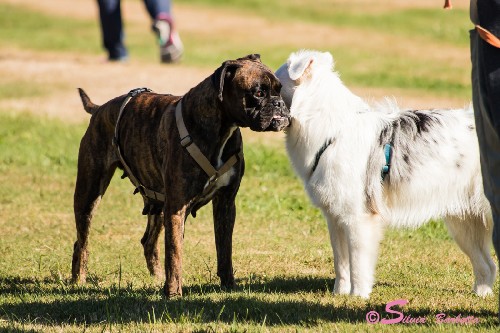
[{"x": 388, "y": 153}]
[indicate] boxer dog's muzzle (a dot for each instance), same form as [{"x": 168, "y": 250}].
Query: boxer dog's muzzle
[{"x": 272, "y": 116}]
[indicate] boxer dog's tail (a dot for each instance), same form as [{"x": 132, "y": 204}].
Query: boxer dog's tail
[{"x": 87, "y": 103}]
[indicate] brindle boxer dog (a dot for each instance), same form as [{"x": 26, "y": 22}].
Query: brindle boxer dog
[{"x": 142, "y": 134}]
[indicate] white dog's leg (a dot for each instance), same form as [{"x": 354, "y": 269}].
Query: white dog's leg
[
  {"x": 474, "y": 239},
  {"x": 338, "y": 240},
  {"x": 364, "y": 234}
]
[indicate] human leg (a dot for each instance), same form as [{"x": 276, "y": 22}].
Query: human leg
[
  {"x": 112, "y": 29},
  {"x": 171, "y": 47},
  {"x": 158, "y": 8},
  {"x": 485, "y": 69}
]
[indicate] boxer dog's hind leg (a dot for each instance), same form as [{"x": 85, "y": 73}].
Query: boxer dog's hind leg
[
  {"x": 151, "y": 245},
  {"x": 93, "y": 177}
]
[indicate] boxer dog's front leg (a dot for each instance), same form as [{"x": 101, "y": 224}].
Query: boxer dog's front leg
[
  {"x": 175, "y": 215},
  {"x": 224, "y": 213}
]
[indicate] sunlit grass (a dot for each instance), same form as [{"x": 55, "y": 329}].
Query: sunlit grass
[{"x": 282, "y": 257}]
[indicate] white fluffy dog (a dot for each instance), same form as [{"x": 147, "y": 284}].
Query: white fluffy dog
[{"x": 370, "y": 167}]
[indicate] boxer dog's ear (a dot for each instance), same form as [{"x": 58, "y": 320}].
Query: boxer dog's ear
[
  {"x": 252, "y": 57},
  {"x": 226, "y": 71}
]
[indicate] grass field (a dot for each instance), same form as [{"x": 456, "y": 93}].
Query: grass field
[{"x": 282, "y": 257}]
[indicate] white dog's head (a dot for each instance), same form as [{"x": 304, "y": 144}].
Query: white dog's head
[{"x": 300, "y": 68}]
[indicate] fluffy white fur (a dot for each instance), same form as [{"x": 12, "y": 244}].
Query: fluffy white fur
[{"x": 434, "y": 172}]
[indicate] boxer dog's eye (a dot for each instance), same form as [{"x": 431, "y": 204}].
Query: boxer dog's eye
[{"x": 259, "y": 93}]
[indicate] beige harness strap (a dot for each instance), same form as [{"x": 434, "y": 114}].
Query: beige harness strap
[
  {"x": 190, "y": 146},
  {"x": 197, "y": 155}
]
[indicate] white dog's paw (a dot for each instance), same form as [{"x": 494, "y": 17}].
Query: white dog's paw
[
  {"x": 365, "y": 294},
  {"x": 341, "y": 287},
  {"x": 483, "y": 290}
]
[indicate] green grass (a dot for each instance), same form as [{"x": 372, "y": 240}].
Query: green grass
[
  {"x": 416, "y": 23},
  {"x": 282, "y": 255},
  {"x": 29, "y": 29},
  {"x": 19, "y": 88}
]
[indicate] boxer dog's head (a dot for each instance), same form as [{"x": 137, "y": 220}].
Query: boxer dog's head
[{"x": 250, "y": 93}]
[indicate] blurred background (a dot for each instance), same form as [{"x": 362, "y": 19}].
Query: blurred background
[{"x": 412, "y": 50}]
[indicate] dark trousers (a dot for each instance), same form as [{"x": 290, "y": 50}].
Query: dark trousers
[
  {"x": 486, "y": 99},
  {"x": 112, "y": 26}
]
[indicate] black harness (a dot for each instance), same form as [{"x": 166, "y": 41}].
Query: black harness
[{"x": 385, "y": 169}]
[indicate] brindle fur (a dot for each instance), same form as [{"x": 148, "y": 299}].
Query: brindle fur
[{"x": 150, "y": 144}]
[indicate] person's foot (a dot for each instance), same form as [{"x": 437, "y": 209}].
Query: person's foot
[
  {"x": 121, "y": 59},
  {"x": 171, "y": 47}
]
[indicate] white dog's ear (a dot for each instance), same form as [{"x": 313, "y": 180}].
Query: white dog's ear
[
  {"x": 298, "y": 67},
  {"x": 327, "y": 59}
]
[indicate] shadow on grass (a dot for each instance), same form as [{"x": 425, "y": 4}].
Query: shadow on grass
[{"x": 57, "y": 302}]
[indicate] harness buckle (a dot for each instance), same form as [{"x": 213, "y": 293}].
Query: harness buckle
[
  {"x": 186, "y": 141},
  {"x": 136, "y": 91},
  {"x": 214, "y": 178}
]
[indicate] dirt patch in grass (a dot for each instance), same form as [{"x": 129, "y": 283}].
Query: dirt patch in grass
[{"x": 64, "y": 73}]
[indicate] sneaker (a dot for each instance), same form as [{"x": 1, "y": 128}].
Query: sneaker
[
  {"x": 122, "y": 59},
  {"x": 171, "y": 47}
]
